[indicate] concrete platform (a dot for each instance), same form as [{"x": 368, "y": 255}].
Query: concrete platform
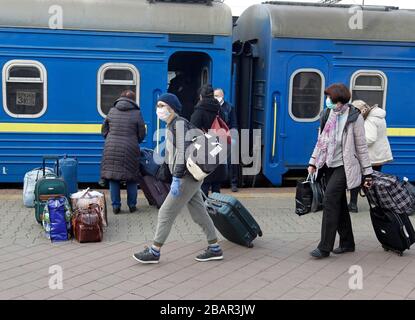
[{"x": 278, "y": 267}]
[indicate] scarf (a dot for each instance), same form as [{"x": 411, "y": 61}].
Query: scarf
[{"x": 327, "y": 141}]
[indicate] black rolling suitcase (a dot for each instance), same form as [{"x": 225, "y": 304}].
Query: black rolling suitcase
[
  {"x": 232, "y": 219},
  {"x": 394, "y": 231},
  {"x": 154, "y": 190}
]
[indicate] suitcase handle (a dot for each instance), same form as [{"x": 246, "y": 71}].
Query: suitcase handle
[{"x": 50, "y": 158}]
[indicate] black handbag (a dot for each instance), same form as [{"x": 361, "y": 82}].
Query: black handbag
[{"x": 309, "y": 195}]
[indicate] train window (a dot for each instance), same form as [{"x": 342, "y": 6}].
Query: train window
[
  {"x": 369, "y": 86},
  {"x": 24, "y": 89},
  {"x": 306, "y": 94},
  {"x": 113, "y": 79}
]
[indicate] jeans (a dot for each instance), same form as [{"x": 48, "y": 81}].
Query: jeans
[
  {"x": 233, "y": 170},
  {"x": 115, "y": 190},
  {"x": 336, "y": 216}
]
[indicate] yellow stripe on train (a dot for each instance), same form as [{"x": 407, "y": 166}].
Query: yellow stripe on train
[
  {"x": 50, "y": 128},
  {"x": 401, "y": 132}
]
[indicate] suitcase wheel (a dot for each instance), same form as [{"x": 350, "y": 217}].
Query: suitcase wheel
[
  {"x": 250, "y": 245},
  {"x": 260, "y": 233},
  {"x": 385, "y": 249}
]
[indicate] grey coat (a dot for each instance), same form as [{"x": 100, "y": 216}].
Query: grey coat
[
  {"x": 123, "y": 130},
  {"x": 354, "y": 149}
]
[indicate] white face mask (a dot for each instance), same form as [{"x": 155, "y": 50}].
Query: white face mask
[
  {"x": 220, "y": 99},
  {"x": 163, "y": 113}
]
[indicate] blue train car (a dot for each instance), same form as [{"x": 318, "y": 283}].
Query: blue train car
[
  {"x": 289, "y": 52},
  {"x": 65, "y": 62}
]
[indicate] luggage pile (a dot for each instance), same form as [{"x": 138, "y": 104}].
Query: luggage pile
[
  {"x": 155, "y": 190},
  {"x": 390, "y": 201}
]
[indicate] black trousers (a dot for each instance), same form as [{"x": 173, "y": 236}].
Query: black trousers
[
  {"x": 354, "y": 193},
  {"x": 336, "y": 216}
]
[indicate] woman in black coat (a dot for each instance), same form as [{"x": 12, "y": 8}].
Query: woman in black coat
[
  {"x": 123, "y": 130},
  {"x": 205, "y": 112}
]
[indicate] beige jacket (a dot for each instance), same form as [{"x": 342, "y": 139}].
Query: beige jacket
[{"x": 354, "y": 148}]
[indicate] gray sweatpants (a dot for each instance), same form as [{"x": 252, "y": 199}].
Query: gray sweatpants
[{"x": 192, "y": 197}]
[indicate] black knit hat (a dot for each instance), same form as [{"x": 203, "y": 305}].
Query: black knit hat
[{"x": 172, "y": 101}]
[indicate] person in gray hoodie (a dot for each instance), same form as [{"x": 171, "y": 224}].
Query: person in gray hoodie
[
  {"x": 341, "y": 155},
  {"x": 377, "y": 141}
]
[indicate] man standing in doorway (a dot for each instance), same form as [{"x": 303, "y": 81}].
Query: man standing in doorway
[{"x": 228, "y": 114}]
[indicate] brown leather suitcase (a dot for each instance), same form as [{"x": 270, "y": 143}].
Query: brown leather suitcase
[{"x": 87, "y": 224}]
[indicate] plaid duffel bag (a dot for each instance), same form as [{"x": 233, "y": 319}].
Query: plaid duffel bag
[{"x": 392, "y": 193}]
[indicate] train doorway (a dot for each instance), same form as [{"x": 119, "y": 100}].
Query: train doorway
[{"x": 187, "y": 72}]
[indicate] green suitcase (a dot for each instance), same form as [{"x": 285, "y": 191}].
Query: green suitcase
[{"x": 48, "y": 186}]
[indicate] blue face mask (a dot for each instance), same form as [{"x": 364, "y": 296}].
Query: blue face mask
[{"x": 330, "y": 104}]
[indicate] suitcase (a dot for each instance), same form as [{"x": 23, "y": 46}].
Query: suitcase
[
  {"x": 69, "y": 172},
  {"x": 48, "y": 186},
  {"x": 394, "y": 231},
  {"x": 154, "y": 190},
  {"x": 232, "y": 219}
]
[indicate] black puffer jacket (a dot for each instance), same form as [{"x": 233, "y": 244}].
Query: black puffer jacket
[
  {"x": 204, "y": 114},
  {"x": 123, "y": 130},
  {"x": 202, "y": 118}
]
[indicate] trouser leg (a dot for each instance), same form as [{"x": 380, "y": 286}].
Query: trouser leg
[
  {"x": 335, "y": 191},
  {"x": 115, "y": 193},
  {"x": 354, "y": 193},
  {"x": 132, "y": 193},
  {"x": 199, "y": 215},
  {"x": 234, "y": 173},
  {"x": 345, "y": 229},
  {"x": 172, "y": 207}
]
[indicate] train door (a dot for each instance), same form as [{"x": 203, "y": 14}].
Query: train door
[
  {"x": 187, "y": 72},
  {"x": 306, "y": 80}
]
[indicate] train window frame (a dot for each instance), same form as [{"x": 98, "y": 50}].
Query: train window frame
[
  {"x": 43, "y": 79},
  {"x": 118, "y": 66},
  {"x": 383, "y": 88},
  {"x": 290, "y": 106}
]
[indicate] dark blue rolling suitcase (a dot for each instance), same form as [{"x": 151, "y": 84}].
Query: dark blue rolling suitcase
[
  {"x": 68, "y": 170},
  {"x": 232, "y": 219}
]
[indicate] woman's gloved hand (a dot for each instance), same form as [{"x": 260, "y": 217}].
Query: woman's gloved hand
[{"x": 175, "y": 187}]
